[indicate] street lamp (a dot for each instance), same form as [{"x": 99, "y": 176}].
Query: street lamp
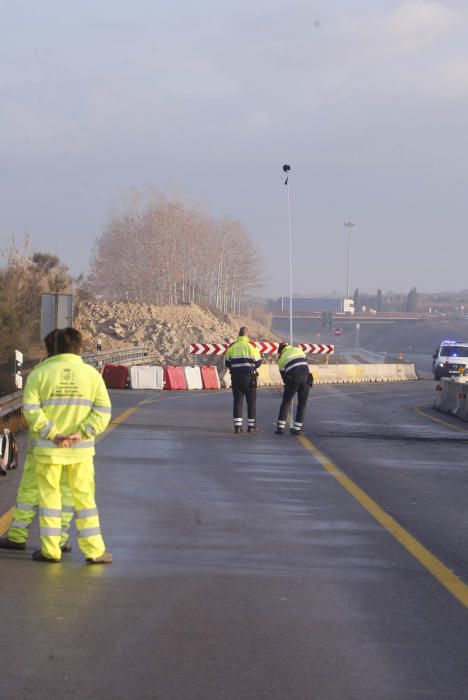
[
  {"x": 287, "y": 172},
  {"x": 349, "y": 225}
]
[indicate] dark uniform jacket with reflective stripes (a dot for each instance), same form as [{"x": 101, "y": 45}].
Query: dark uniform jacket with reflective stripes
[
  {"x": 292, "y": 361},
  {"x": 241, "y": 356},
  {"x": 63, "y": 395}
]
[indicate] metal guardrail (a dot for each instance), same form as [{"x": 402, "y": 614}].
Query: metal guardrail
[
  {"x": 120, "y": 356},
  {"x": 368, "y": 355},
  {"x": 10, "y": 403},
  {"x": 13, "y": 402}
]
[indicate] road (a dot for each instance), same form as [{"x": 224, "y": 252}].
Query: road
[{"x": 252, "y": 567}]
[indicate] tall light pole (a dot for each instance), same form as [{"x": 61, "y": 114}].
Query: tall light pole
[
  {"x": 349, "y": 225},
  {"x": 287, "y": 171}
]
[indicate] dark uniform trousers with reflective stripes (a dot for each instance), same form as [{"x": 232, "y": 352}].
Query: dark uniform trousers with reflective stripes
[
  {"x": 296, "y": 383},
  {"x": 241, "y": 386}
]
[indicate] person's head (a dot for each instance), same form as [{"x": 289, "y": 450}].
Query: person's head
[
  {"x": 50, "y": 342},
  {"x": 281, "y": 348},
  {"x": 69, "y": 340},
  {"x": 243, "y": 331}
]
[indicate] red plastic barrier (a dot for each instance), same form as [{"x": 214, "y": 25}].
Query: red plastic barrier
[
  {"x": 209, "y": 375},
  {"x": 174, "y": 378},
  {"x": 115, "y": 376}
]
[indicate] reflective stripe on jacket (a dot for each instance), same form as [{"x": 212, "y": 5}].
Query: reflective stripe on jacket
[
  {"x": 242, "y": 356},
  {"x": 291, "y": 361},
  {"x": 64, "y": 395}
]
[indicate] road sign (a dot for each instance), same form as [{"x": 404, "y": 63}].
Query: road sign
[
  {"x": 18, "y": 369},
  {"x": 56, "y": 312},
  {"x": 337, "y": 331}
]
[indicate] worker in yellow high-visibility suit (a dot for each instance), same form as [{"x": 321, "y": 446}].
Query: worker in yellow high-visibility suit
[
  {"x": 27, "y": 498},
  {"x": 66, "y": 405}
]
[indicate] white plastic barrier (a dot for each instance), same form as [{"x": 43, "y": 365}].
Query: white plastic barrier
[
  {"x": 142, "y": 377},
  {"x": 193, "y": 377}
]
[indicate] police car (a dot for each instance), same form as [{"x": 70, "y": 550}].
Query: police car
[{"x": 450, "y": 358}]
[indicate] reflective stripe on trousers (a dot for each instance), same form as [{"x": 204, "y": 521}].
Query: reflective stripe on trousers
[
  {"x": 81, "y": 482},
  {"x": 28, "y": 500}
]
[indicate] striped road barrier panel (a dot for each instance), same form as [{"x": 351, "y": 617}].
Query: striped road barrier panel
[{"x": 265, "y": 348}]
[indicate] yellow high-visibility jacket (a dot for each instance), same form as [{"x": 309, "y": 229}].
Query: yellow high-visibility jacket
[
  {"x": 242, "y": 356},
  {"x": 292, "y": 361},
  {"x": 64, "y": 395}
]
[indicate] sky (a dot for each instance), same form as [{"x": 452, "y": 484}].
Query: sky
[{"x": 367, "y": 100}]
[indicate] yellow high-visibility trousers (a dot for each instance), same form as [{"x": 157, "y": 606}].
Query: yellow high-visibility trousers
[
  {"x": 80, "y": 477},
  {"x": 27, "y": 501}
]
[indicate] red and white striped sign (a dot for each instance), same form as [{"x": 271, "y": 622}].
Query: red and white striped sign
[
  {"x": 265, "y": 348},
  {"x": 317, "y": 348},
  {"x": 208, "y": 348}
]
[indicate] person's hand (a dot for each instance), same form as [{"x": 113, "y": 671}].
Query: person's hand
[
  {"x": 61, "y": 440},
  {"x": 67, "y": 440},
  {"x": 74, "y": 437}
]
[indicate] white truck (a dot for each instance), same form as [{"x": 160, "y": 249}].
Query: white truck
[{"x": 450, "y": 358}]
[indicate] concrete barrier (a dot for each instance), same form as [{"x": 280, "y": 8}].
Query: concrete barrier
[
  {"x": 338, "y": 374},
  {"x": 352, "y": 374},
  {"x": 451, "y": 397},
  {"x": 263, "y": 376}
]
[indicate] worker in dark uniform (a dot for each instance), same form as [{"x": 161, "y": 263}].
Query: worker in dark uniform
[
  {"x": 243, "y": 359},
  {"x": 297, "y": 379}
]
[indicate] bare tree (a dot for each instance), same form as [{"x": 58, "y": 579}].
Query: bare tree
[{"x": 165, "y": 252}]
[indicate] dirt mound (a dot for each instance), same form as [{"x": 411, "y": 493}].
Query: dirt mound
[{"x": 166, "y": 330}]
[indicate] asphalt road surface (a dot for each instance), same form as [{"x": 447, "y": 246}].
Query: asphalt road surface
[{"x": 256, "y": 566}]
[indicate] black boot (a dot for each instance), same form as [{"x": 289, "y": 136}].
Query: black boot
[
  {"x": 38, "y": 556},
  {"x": 238, "y": 429},
  {"x": 253, "y": 429},
  {"x": 279, "y": 431}
]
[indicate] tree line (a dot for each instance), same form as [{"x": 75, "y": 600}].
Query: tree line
[{"x": 163, "y": 251}]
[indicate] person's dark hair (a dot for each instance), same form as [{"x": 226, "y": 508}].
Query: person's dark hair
[
  {"x": 50, "y": 342},
  {"x": 69, "y": 340},
  {"x": 243, "y": 330}
]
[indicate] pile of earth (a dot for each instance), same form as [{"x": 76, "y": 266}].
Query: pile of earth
[{"x": 167, "y": 331}]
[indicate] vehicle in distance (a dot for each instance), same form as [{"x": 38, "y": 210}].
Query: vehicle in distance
[{"x": 450, "y": 358}]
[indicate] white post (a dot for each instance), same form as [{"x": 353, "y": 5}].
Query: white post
[{"x": 349, "y": 226}]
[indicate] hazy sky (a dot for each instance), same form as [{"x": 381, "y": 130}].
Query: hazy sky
[{"x": 367, "y": 99}]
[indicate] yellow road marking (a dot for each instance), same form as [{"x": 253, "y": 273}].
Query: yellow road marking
[
  {"x": 420, "y": 412},
  {"x": 5, "y": 521},
  {"x": 447, "y": 578}
]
